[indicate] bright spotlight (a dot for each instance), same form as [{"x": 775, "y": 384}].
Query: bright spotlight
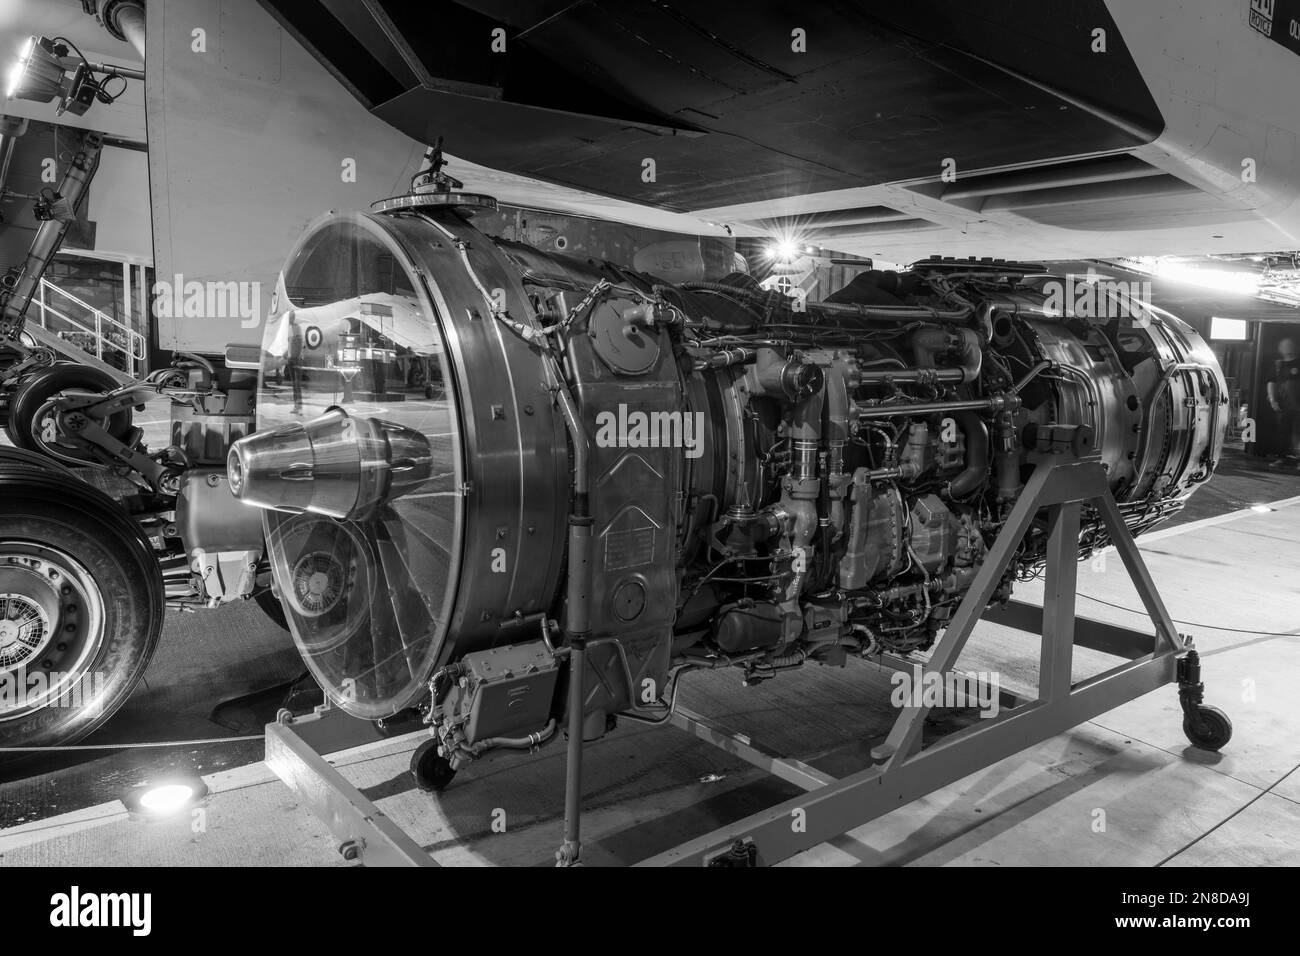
[
  {"x": 165, "y": 798},
  {"x": 783, "y": 250},
  {"x": 53, "y": 71},
  {"x": 1222, "y": 280},
  {"x": 1262, "y": 509},
  {"x": 39, "y": 73},
  {"x": 14, "y": 77}
]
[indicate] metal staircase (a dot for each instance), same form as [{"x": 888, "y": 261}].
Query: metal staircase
[{"x": 83, "y": 333}]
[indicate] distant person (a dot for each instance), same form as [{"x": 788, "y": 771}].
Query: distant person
[{"x": 1284, "y": 400}]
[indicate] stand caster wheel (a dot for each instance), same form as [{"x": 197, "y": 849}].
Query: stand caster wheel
[
  {"x": 432, "y": 772},
  {"x": 1208, "y": 728}
]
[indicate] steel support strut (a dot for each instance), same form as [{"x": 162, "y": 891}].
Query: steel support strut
[
  {"x": 904, "y": 771},
  {"x": 365, "y": 833}
]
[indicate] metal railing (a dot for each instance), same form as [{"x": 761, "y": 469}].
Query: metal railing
[{"x": 81, "y": 324}]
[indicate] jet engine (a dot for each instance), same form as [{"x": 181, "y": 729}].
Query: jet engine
[{"x": 474, "y": 455}]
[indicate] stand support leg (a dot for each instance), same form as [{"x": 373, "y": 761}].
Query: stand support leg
[
  {"x": 571, "y": 850},
  {"x": 1127, "y": 548},
  {"x": 904, "y": 738},
  {"x": 1057, "y": 649}
]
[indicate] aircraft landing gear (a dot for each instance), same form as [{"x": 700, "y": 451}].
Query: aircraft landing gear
[
  {"x": 31, "y": 423},
  {"x": 81, "y": 604}
]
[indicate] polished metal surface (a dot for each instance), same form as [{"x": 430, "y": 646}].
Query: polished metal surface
[
  {"x": 414, "y": 499},
  {"x": 51, "y": 623},
  {"x": 332, "y": 465},
  {"x": 668, "y": 472}
]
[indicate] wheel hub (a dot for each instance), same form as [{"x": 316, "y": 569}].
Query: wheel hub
[
  {"x": 24, "y": 629},
  {"x": 51, "y": 622}
]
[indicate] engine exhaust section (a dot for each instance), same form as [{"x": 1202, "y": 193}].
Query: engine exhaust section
[{"x": 334, "y": 465}]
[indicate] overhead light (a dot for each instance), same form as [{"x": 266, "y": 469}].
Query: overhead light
[
  {"x": 783, "y": 250},
  {"x": 52, "y": 70},
  {"x": 1224, "y": 280},
  {"x": 39, "y": 73},
  {"x": 15, "y": 75},
  {"x": 165, "y": 798}
]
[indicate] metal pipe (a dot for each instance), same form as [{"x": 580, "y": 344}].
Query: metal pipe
[
  {"x": 7, "y": 144},
  {"x": 571, "y": 850},
  {"x": 535, "y": 739},
  {"x": 900, "y": 312},
  {"x": 49, "y": 237},
  {"x": 995, "y": 404},
  {"x": 930, "y": 342},
  {"x": 914, "y": 375},
  {"x": 977, "y": 455},
  {"x": 126, "y": 72},
  {"x": 1032, "y": 374},
  {"x": 578, "y": 621},
  {"x": 130, "y": 21},
  {"x": 576, "y": 434},
  {"x": 123, "y": 19}
]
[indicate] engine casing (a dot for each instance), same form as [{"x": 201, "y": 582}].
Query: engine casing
[{"x": 466, "y": 444}]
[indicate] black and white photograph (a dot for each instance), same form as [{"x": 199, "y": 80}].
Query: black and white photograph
[{"x": 650, "y": 433}]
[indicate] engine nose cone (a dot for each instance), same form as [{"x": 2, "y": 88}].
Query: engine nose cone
[{"x": 334, "y": 465}]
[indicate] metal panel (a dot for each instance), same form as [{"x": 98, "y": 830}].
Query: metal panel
[{"x": 249, "y": 140}]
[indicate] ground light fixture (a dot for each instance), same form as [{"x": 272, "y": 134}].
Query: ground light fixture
[
  {"x": 53, "y": 70},
  {"x": 1261, "y": 509},
  {"x": 166, "y": 797}
]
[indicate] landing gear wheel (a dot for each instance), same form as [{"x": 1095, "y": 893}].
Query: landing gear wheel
[
  {"x": 1208, "y": 728},
  {"x": 432, "y": 772},
  {"x": 81, "y": 607},
  {"x": 9, "y": 357},
  {"x": 31, "y": 425}
]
